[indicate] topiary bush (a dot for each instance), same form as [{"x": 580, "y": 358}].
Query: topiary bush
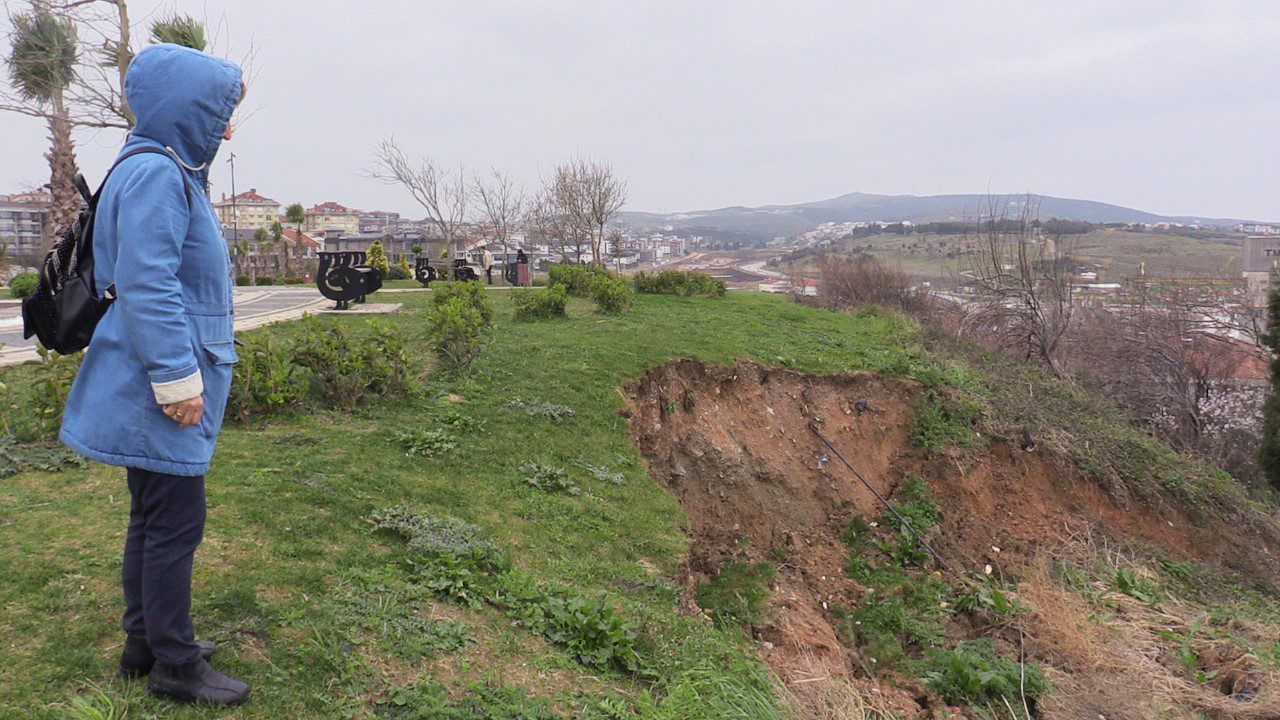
[
  {"x": 23, "y": 284},
  {"x": 399, "y": 272},
  {"x": 612, "y": 294},
  {"x": 540, "y": 304},
  {"x": 376, "y": 258},
  {"x": 678, "y": 282}
]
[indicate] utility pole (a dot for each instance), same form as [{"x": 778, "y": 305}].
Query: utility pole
[{"x": 235, "y": 221}]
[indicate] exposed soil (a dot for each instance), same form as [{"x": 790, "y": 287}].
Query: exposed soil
[{"x": 734, "y": 446}]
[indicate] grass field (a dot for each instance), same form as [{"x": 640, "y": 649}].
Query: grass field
[{"x": 304, "y": 598}]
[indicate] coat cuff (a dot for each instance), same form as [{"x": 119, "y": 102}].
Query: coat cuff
[{"x": 168, "y": 393}]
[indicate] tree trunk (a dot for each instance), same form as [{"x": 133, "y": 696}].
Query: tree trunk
[{"x": 62, "y": 173}]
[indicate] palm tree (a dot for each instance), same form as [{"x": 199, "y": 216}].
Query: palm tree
[
  {"x": 279, "y": 243},
  {"x": 180, "y": 29},
  {"x": 297, "y": 215},
  {"x": 42, "y": 63}
]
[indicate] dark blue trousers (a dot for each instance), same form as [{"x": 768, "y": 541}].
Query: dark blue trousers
[{"x": 166, "y": 524}]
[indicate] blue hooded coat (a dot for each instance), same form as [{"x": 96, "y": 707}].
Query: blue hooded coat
[{"x": 168, "y": 336}]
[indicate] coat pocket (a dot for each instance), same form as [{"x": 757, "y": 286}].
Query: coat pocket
[{"x": 221, "y": 352}]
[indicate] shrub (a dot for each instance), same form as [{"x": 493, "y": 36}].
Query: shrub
[
  {"x": 399, "y": 272},
  {"x": 678, "y": 282},
  {"x": 266, "y": 280},
  {"x": 23, "y": 284},
  {"x": 265, "y": 379},
  {"x": 457, "y": 330},
  {"x": 611, "y": 293},
  {"x": 376, "y": 258},
  {"x": 972, "y": 673},
  {"x": 33, "y": 410},
  {"x": 862, "y": 280},
  {"x": 243, "y": 280},
  {"x": 540, "y": 304},
  {"x": 344, "y": 369},
  {"x": 470, "y": 293},
  {"x": 575, "y": 278}
]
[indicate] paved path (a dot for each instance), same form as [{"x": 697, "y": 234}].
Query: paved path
[{"x": 255, "y": 307}]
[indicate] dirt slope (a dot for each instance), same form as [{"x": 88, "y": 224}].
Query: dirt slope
[{"x": 734, "y": 445}]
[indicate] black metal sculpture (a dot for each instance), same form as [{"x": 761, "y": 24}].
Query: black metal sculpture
[
  {"x": 423, "y": 272},
  {"x": 344, "y": 278},
  {"x": 462, "y": 271}
]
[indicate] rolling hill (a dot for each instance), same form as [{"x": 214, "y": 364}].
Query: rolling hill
[{"x": 769, "y": 221}]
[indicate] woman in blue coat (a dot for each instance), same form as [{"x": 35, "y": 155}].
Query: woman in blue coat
[{"x": 151, "y": 391}]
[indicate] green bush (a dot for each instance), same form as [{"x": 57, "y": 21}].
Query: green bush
[
  {"x": 376, "y": 258},
  {"x": 399, "y": 272},
  {"x": 540, "y": 304},
  {"x": 460, "y": 315},
  {"x": 265, "y": 380},
  {"x": 457, "y": 330},
  {"x": 23, "y": 284},
  {"x": 972, "y": 673},
  {"x": 344, "y": 369},
  {"x": 32, "y": 409},
  {"x": 612, "y": 294},
  {"x": 243, "y": 280},
  {"x": 470, "y": 293},
  {"x": 576, "y": 279},
  {"x": 678, "y": 282},
  {"x": 266, "y": 280}
]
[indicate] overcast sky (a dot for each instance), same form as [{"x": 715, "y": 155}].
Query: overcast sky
[{"x": 1166, "y": 106}]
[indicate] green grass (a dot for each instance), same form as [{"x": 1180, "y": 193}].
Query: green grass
[{"x": 314, "y": 609}]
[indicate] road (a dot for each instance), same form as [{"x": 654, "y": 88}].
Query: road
[{"x": 255, "y": 307}]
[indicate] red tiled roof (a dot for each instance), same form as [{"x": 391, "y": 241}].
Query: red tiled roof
[
  {"x": 250, "y": 196},
  {"x": 330, "y": 208},
  {"x": 307, "y": 240}
]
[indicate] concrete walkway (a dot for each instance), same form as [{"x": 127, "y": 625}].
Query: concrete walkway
[{"x": 255, "y": 307}]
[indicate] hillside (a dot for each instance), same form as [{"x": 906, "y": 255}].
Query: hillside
[
  {"x": 768, "y": 221},
  {"x": 628, "y": 518}
]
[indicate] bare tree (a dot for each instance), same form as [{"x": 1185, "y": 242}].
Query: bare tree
[
  {"x": 1024, "y": 285},
  {"x": 591, "y": 195},
  {"x": 441, "y": 191},
  {"x": 502, "y": 202},
  {"x": 548, "y": 220}
]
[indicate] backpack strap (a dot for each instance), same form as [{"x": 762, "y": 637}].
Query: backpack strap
[{"x": 85, "y": 250}]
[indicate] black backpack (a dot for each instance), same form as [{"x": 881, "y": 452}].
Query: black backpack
[{"x": 66, "y": 307}]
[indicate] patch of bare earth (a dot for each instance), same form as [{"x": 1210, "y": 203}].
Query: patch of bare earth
[{"x": 734, "y": 446}]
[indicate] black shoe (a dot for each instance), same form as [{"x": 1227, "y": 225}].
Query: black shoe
[
  {"x": 136, "y": 660},
  {"x": 196, "y": 682}
]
